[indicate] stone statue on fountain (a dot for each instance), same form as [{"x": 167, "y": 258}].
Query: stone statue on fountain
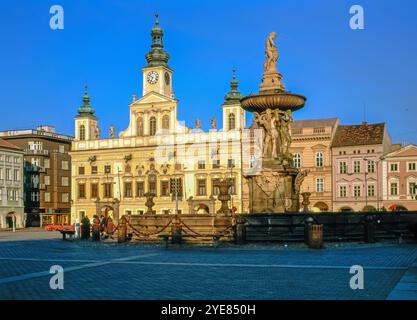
[{"x": 276, "y": 187}]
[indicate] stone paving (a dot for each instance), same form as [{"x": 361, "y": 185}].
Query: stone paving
[{"x": 135, "y": 271}]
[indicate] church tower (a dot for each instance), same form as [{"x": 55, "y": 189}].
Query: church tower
[
  {"x": 233, "y": 115},
  {"x": 85, "y": 121},
  {"x": 157, "y": 75}
]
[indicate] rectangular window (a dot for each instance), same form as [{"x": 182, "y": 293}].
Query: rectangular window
[
  {"x": 34, "y": 196},
  {"x": 412, "y": 166},
  {"x": 1, "y": 174},
  {"x": 215, "y": 187},
  {"x": 152, "y": 187},
  {"x": 140, "y": 190},
  {"x": 216, "y": 164},
  {"x": 371, "y": 166},
  {"x": 320, "y": 185},
  {"x": 394, "y": 188},
  {"x": 128, "y": 189},
  {"x": 64, "y": 165},
  {"x": 108, "y": 190},
  {"x": 35, "y": 145},
  {"x": 343, "y": 167},
  {"x": 357, "y": 191},
  {"x": 47, "y": 197},
  {"x": 81, "y": 191},
  {"x": 81, "y": 171},
  {"x": 164, "y": 188},
  {"x": 94, "y": 190},
  {"x": 394, "y": 167},
  {"x": 201, "y": 164},
  {"x": 201, "y": 187},
  {"x": 231, "y": 163},
  {"x": 14, "y": 195},
  {"x": 65, "y": 181},
  {"x": 94, "y": 170},
  {"x": 342, "y": 191},
  {"x": 61, "y": 148},
  {"x": 16, "y": 175},
  {"x": 9, "y": 174},
  {"x": 412, "y": 188},
  {"x": 46, "y": 163},
  {"x": 371, "y": 191},
  {"x": 64, "y": 197},
  {"x": 107, "y": 169},
  {"x": 47, "y": 180},
  {"x": 356, "y": 166}
]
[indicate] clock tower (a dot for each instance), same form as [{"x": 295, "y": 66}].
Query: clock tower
[{"x": 157, "y": 75}]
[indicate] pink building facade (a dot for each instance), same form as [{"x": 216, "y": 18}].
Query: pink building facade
[
  {"x": 399, "y": 179},
  {"x": 357, "y": 167}
]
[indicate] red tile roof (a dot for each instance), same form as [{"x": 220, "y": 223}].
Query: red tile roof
[
  {"x": 359, "y": 135},
  {"x": 7, "y": 145}
]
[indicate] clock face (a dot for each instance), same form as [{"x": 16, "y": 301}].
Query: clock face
[
  {"x": 167, "y": 79},
  {"x": 152, "y": 77}
]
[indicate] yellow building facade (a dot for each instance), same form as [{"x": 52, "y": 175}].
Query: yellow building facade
[{"x": 157, "y": 153}]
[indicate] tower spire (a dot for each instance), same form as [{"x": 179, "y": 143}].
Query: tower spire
[
  {"x": 86, "y": 109},
  {"x": 234, "y": 95},
  {"x": 157, "y": 56}
]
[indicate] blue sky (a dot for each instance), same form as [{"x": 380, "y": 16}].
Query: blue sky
[{"x": 341, "y": 71}]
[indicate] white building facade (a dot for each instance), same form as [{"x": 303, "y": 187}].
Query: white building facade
[{"x": 11, "y": 186}]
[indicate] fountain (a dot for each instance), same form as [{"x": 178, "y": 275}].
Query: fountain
[{"x": 276, "y": 186}]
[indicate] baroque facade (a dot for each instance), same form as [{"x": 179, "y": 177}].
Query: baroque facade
[{"x": 156, "y": 154}]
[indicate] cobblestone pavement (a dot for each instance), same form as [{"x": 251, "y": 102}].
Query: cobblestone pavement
[{"x": 132, "y": 271}]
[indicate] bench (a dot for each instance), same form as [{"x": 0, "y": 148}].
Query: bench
[
  {"x": 65, "y": 233},
  {"x": 215, "y": 237}
]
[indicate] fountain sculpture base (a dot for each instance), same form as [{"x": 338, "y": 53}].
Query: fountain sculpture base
[{"x": 274, "y": 189}]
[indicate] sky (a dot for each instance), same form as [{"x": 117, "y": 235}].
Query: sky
[{"x": 355, "y": 75}]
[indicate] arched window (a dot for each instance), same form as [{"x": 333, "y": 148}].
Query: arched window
[
  {"x": 140, "y": 127},
  {"x": 297, "y": 160},
  {"x": 152, "y": 126},
  {"x": 82, "y": 132},
  {"x": 319, "y": 159},
  {"x": 232, "y": 121},
  {"x": 165, "y": 122}
]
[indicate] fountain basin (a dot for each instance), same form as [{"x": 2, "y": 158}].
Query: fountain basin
[{"x": 276, "y": 99}]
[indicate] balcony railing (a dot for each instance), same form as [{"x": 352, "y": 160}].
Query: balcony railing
[
  {"x": 37, "y": 152},
  {"x": 32, "y": 168}
]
